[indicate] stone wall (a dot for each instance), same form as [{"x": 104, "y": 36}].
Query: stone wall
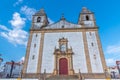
[
  {"x": 38, "y": 79},
  {"x": 18, "y": 79}
]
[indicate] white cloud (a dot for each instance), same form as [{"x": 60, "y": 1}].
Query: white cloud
[
  {"x": 18, "y": 2},
  {"x": 113, "y": 52},
  {"x": 110, "y": 62},
  {"x": 15, "y": 35},
  {"x": 22, "y": 59},
  {"x": 28, "y": 11},
  {"x": 4, "y": 28},
  {"x": 50, "y": 21},
  {"x": 113, "y": 49},
  {"x": 17, "y": 21}
]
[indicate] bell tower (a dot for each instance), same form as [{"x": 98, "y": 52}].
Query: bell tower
[
  {"x": 39, "y": 20},
  {"x": 86, "y": 18},
  {"x": 33, "y": 58}
]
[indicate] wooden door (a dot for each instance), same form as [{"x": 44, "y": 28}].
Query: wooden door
[{"x": 63, "y": 66}]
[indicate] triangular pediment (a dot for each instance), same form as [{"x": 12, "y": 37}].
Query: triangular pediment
[{"x": 62, "y": 24}]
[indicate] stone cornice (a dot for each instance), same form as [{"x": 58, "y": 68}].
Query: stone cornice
[{"x": 82, "y": 29}]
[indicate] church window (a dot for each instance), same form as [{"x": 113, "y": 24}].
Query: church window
[
  {"x": 87, "y": 17},
  {"x": 92, "y": 44},
  {"x": 38, "y": 19},
  {"x": 33, "y": 57},
  {"x": 36, "y": 35},
  {"x": 34, "y": 45},
  {"x": 94, "y": 56},
  {"x": 63, "y": 47},
  {"x": 90, "y": 33},
  {"x": 63, "y": 26}
]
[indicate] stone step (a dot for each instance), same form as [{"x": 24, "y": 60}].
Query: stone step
[{"x": 63, "y": 77}]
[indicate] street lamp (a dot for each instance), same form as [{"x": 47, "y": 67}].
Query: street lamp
[
  {"x": 118, "y": 67},
  {"x": 11, "y": 70}
]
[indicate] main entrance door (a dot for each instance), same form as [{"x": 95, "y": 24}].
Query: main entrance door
[{"x": 63, "y": 66}]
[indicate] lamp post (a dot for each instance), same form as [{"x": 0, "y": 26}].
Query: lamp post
[
  {"x": 11, "y": 70},
  {"x": 118, "y": 67}
]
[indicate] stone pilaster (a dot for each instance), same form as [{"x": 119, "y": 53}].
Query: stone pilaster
[
  {"x": 87, "y": 53},
  {"x": 27, "y": 53},
  {"x": 40, "y": 53},
  {"x": 101, "y": 51}
]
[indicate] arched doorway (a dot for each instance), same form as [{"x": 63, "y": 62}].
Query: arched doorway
[{"x": 63, "y": 66}]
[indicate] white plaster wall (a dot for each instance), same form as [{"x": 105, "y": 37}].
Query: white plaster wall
[
  {"x": 32, "y": 63},
  {"x": 89, "y": 23},
  {"x": 91, "y": 17},
  {"x": 38, "y": 24},
  {"x": 93, "y": 50},
  {"x": 75, "y": 41}
]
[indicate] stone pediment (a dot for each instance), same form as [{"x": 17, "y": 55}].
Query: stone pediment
[{"x": 62, "y": 24}]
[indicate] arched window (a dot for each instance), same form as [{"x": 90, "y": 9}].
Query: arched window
[
  {"x": 87, "y": 17},
  {"x": 34, "y": 45},
  {"x": 38, "y": 19},
  {"x": 33, "y": 57}
]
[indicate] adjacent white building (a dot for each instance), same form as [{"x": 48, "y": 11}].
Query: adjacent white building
[{"x": 12, "y": 71}]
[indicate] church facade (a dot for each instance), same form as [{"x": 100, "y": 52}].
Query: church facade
[{"x": 64, "y": 48}]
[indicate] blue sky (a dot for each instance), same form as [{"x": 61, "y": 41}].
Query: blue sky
[{"x": 15, "y": 22}]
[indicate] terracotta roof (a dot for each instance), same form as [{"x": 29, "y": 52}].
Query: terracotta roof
[
  {"x": 16, "y": 63},
  {"x": 118, "y": 62},
  {"x": 113, "y": 67}
]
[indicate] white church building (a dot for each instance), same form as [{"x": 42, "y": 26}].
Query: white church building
[{"x": 64, "y": 48}]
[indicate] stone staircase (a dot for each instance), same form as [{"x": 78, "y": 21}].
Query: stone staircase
[{"x": 63, "y": 77}]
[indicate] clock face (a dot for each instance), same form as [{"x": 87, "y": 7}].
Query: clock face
[{"x": 63, "y": 47}]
